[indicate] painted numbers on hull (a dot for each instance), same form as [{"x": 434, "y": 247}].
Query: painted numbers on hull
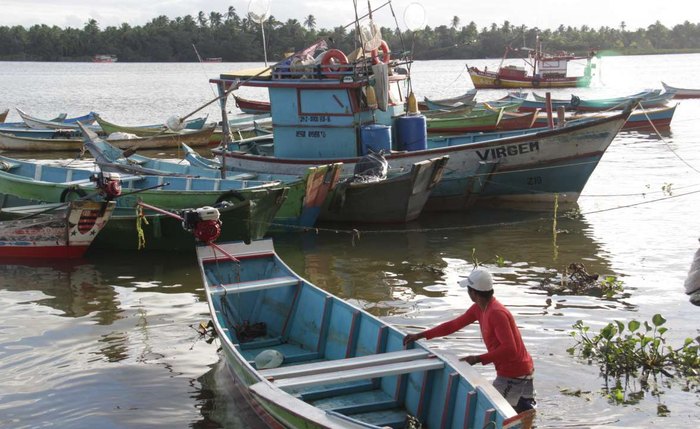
[{"x": 509, "y": 150}]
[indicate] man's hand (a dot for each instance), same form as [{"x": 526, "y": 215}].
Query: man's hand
[
  {"x": 409, "y": 338},
  {"x": 471, "y": 359}
]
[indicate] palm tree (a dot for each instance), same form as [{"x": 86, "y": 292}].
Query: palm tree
[
  {"x": 310, "y": 22},
  {"x": 231, "y": 13},
  {"x": 215, "y": 19},
  {"x": 202, "y": 19},
  {"x": 455, "y": 22}
]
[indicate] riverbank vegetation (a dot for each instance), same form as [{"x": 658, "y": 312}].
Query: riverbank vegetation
[{"x": 236, "y": 38}]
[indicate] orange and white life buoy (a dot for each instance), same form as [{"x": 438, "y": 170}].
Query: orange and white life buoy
[
  {"x": 332, "y": 62},
  {"x": 386, "y": 53}
]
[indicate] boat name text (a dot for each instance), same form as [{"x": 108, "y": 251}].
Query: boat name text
[
  {"x": 315, "y": 118},
  {"x": 312, "y": 134},
  {"x": 510, "y": 150}
]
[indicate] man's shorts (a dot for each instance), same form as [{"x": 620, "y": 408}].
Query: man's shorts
[{"x": 519, "y": 392}]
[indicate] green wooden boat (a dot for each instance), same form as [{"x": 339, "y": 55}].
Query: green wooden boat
[
  {"x": 146, "y": 230},
  {"x": 485, "y": 120},
  {"x": 54, "y": 184}
]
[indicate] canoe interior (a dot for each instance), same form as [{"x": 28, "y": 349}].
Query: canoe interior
[{"x": 337, "y": 358}]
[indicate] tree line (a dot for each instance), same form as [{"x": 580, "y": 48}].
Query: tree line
[{"x": 237, "y": 38}]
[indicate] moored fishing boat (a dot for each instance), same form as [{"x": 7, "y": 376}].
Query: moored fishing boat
[
  {"x": 646, "y": 99},
  {"x": 54, "y": 184},
  {"x": 58, "y": 143},
  {"x": 659, "y": 117},
  {"x": 33, "y": 122},
  {"x": 305, "y": 358},
  {"x": 466, "y": 99},
  {"x": 305, "y": 193},
  {"x": 147, "y": 229},
  {"x": 542, "y": 70},
  {"x": 483, "y": 120},
  {"x": 252, "y": 106},
  {"x": 64, "y": 233},
  {"x": 149, "y": 130},
  {"x": 681, "y": 92}
]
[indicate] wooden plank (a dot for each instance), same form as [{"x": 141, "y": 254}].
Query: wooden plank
[
  {"x": 254, "y": 285},
  {"x": 344, "y": 364},
  {"x": 360, "y": 373}
]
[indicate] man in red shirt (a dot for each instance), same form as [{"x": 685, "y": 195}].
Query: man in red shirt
[{"x": 504, "y": 345}]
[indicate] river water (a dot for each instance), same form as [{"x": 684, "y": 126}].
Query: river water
[{"x": 108, "y": 341}]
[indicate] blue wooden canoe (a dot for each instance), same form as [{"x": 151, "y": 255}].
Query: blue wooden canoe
[{"x": 340, "y": 366}]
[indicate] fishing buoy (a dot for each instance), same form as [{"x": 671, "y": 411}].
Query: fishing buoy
[
  {"x": 412, "y": 104},
  {"x": 371, "y": 97},
  {"x": 175, "y": 123}
]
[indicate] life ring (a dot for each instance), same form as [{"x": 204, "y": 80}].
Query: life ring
[
  {"x": 226, "y": 196},
  {"x": 386, "y": 53},
  {"x": 497, "y": 82},
  {"x": 67, "y": 194},
  {"x": 332, "y": 62}
]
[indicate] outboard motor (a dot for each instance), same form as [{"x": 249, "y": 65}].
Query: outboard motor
[
  {"x": 203, "y": 222},
  {"x": 109, "y": 184},
  {"x": 371, "y": 167}
]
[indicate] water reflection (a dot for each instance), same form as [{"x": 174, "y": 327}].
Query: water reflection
[{"x": 391, "y": 265}]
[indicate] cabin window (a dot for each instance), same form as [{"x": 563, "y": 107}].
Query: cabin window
[{"x": 324, "y": 102}]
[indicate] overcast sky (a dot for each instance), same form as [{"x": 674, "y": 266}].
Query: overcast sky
[{"x": 332, "y": 13}]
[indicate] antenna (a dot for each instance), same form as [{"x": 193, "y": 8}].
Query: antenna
[{"x": 259, "y": 11}]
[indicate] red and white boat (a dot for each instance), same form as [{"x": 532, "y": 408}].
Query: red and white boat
[
  {"x": 252, "y": 106},
  {"x": 64, "y": 233},
  {"x": 541, "y": 70},
  {"x": 102, "y": 58}
]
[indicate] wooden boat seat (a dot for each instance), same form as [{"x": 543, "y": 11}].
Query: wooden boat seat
[
  {"x": 343, "y": 364},
  {"x": 360, "y": 373},
  {"x": 255, "y": 285}
]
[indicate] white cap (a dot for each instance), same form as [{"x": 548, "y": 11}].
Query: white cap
[
  {"x": 479, "y": 279},
  {"x": 268, "y": 359}
]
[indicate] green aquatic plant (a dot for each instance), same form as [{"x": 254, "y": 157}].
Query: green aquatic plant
[
  {"x": 637, "y": 352},
  {"x": 610, "y": 286},
  {"x": 500, "y": 261}
]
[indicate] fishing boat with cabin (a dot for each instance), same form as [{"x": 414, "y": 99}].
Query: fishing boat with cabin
[{"x": 541, "y": 70}]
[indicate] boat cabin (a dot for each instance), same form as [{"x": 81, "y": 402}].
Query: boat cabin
[{"x": 330, "y": 105}]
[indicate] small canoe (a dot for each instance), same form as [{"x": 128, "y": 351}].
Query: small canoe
[
  {"x": 466, "y": 99},
  {"x": 65, "y": 233},
  {"x": 41, "y": 124},
  {"x": 148, "y": 130},
  {"x": 681, "y": 92},
  {"x": 472, "y": 122},
  {"x": 648, "y": 99},
  {"x": 659, "y": 117},
  {"x": 306, "y": 358},
  {"x": 169, "y": 140}
]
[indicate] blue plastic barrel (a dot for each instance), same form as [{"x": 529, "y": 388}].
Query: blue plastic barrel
[
  {"x": 411, "y": 133},
  {"x": 375, "y": 137}
]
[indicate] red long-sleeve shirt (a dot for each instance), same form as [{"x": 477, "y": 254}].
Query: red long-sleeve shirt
[{"x": 504, "y": 344}]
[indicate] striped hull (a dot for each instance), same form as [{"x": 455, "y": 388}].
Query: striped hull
[{"x": 487, "y": 80}]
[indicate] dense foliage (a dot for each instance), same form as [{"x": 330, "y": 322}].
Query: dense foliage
[{"x": 236, "y": 38}]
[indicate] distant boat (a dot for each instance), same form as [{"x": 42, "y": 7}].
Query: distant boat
[
  {"x": 252, "y": 106},
  {"x": 306, "y": 358},
  {"x": 541, "y": 70},
  {"x": 64, "y": 233},
  {"x": 102, "y": 58},
  {"x": 212, "y": 60},
  {"x": 681, "y": 92}
]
